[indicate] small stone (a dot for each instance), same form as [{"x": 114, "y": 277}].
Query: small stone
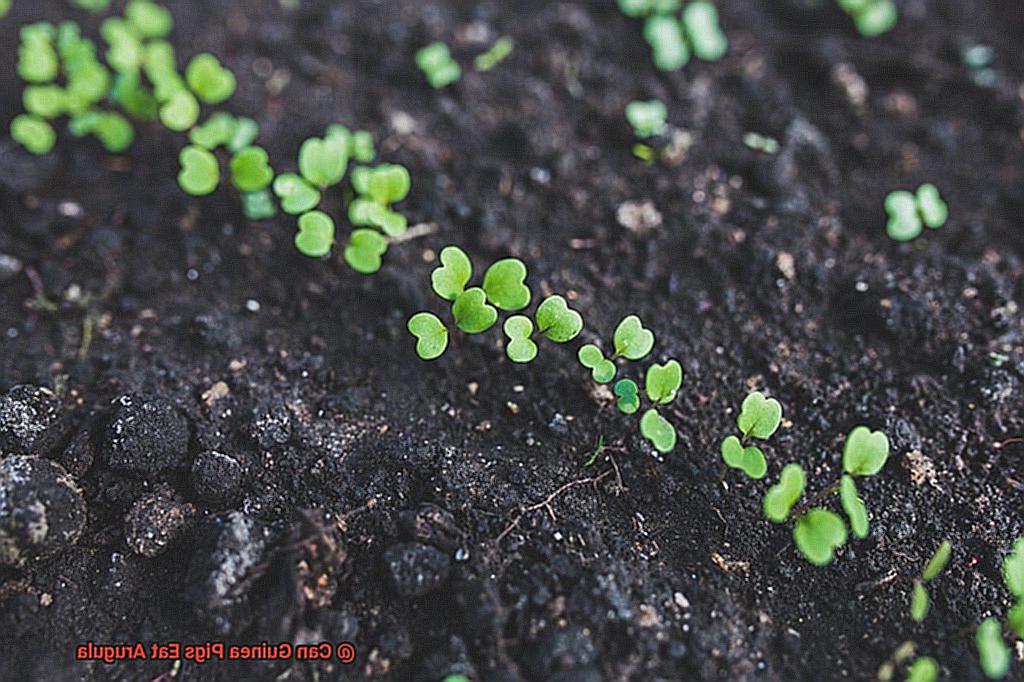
[
  {"x": 41, "y": 509},
  {"x": 154, "y": 522},
  {"x": 32, "y": 421},
  {"x": 216, "y": 477},
  {"x": 146, "y": 435},
  {"x": 9, "y": 267},
  {"x": 433, "y": 525},
  {"x": 415, "y": 569}
]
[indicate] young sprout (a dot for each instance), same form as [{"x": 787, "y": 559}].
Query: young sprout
[
  {"x": 631, "y": 340},
  {"x": 215, "y": 132},
  {"x": 258, "y": 205},
  {"x": 781, "y": 497},
  {"x": 865, "y": 452},
  {"x": 472, "y": 313},
  {"x": 435, "y": 61},
  {"x": 323, "y": 161},
  {"x": 628, "y": 394},
  {"x": 521, "y": 347},
  {"x": 817, "y": 534},
  {"x": 761, "y": 143},
  {"x": 250, "y": 169},
  {"x": 359, "y": 144},
  {"x": 908, "y": 213},
  {"x": 658, "y": 431},
  {"x": 211, "y": 82},
  {"x": 364, "y": 250},
  {"x": 316, "y": 234},
  {"x": 665, "y": 36},
  {"x": 556, "y": 321},
  {"x": 246, "y": 131},
  {"x": 94, "y": 6},
  {"x": 37, "y": 58},
  {"x": 179, "y": 111},
  {"x": 199, "y": 172},
  {"x": 125, "y": 51},
  {"x": 33, "y": 133},
  {"x": 854, "y": 507},
  {"x": 113, "y": 130},
  {"x": 647, "y": 118},
  {"x": 871, "y": 17},
  {"x": 449, "y": 280},
  {"x": 504, "y": 284},
  {"x": 149, "y": 19},
  {"x": 601, "y": 369},
  {"x": 919, "y": 603},
  {"x": 759, "y": 418},
  {"x": 992, "y": 650},
  {"x": 431, "y": 335},
  {"x": 700, "y": 19},
  {"x": 45, "y": 101},
  {"x": 297, "y": 195},
  {"x": 494, "y": 55},
  {"x": 923, "y": 669},
  {"x": 379, "y": 187}
]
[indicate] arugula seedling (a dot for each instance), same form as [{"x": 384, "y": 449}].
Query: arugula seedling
[
  {"x": 494, "y": 55},
  {"x": 113, "y": 130},
  {"x": 909, "y": 213},
  {"x": 297, "y": 195},
  {"x": 316, "y": 234},
  {"x": 759, "y": 418},
  {"x": 647, "y": 118},
  {"x": 665, "y": 36},
  {"x": 359, "y": 143},
  {"x": 472, "y": 313},
  {"x": 124, "y": 49},
  {"x": 631, "y": 340},
  {"x": 761, "y": 143},
  {"x": 817, "y": 534},
  {"x": 94, "y": 6},
  {"x": 521, "y": 347},
  {"x": 601, "y": 369},
  {"x": 431, "y": 335},
  {"x": 919, "y": 600},
  {"x": 504, "y": 284},
  {"x": 628, "y": 394},
  {"x": 33, "y": 133},
  {"x": 700, "y": 19},
  {"x": 323, "y": 161},
  {"x": 37, "y": 57},
  {"x": 149, "y": 19},
  {"x": 258, "y": 205},
  {"x": 179, "y": 111},
  {"x": 449, "y": 280},
  {"x": 992, "y": 650},
  {"x": 865, "y": 452},
  {"x": 658, "y": 431},
  {"x": 211, "y": 82},
  {"x": 871, "y": 17},
  {"x": 643, "y": 8},
  {"x": 214, "y": 132},
  {"x": 45, "y": 101},
  {"x": 781, "y": 497},
  {"x": 364, "y": 250},
  {"x": 250, "y": 169},
  {"x": 200, "y": 172},
  {"x": 556, "y": 321},
  {"x": 923, "y": 669},
  {"x": 435, "y": 61}
]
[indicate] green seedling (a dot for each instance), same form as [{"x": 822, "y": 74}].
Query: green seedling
[
  {"x": 865, "y": 452},
  {"x": 323, "y": 161},
  {"x": 930, "y": 205},
  {"x": 647, "y": 118},
  {"x": 854, "y": 507},
  {"x": 246, "y": 131},
  {"x": 923, "y": 669},
  {"x": 449, "y": 280},
  {"x": 296, "y": 194},
  {"x": 179, "y": 111},
  {"x": 761, "y": 143},
  {"x": 149, "y": 19},
  {"x": 124, "y": 48},
  {"x": 494, "y": 55},
  {"x": 359, "y": 143},
  {"x": 747, "y": 458},
  {"x": 199, "y": 172},
  {"x": 663, "y": 382},
  {"x": 658, "y": 431},
  {"x": 520, "y": 347},
  {"x": 628, "y": 394},
  {"x": 37, "y": 57},
  {"x": 472, "y": 313},
  {"x": 632, "y": 341},
  {"x": 135, "y": 99},
  {"x": 504, "y": 284},
  {"x": 364, "y": 251},
  {"x": 250, "y": 169},
  {"x": 435, "y": 61},
  {"x": 556, "y": 321},
  {"x": 700, "y": 20},
  {"x": 258, "y": 205},
  {"x": 431, "y": 335},
  {"x": 94, "y": 6},
  {"x": 45, "y": 101},
  {"x": 33, "y": 133},
  {"x": 781, "y": 497},
  {"x": 316, "y": 234},
  {"x": 601, "y": 369},
  {"x": 5, "y": 7},
  {"x": 817, "y": 534},
  {"x": 919, "y": 603},
  {"x": 909, "y": 213},
  {"x": 215, "y": 132},
  {"x": 919, "y": 599},
  {"x": 211, "y": 82},
  {"x": 668, "y": 46},
  {"x": 759, "y": 418},
  {"x": 871, "y": 17},
  {"x": 938, "y": 561},
  {"x": 378, "y": 188},
  {"x": 993, "y": 652},
  {"x": 113, "y": 131},
  {"x": 644, "y": 8}
]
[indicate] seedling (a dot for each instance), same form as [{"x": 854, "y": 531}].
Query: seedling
[
  {"x": 94, "y": 6},
  {"x": 871, "y": 17},
  {"x": 673, "y": 39},
  {"x": 199, "y": 172},
  {"x": 323, "y": 161},
  {"x": 494, "y": 55},
  {"x": 149, "y": 19},
  {"x": 435, "y": 61},
  {"x": 668, "y": 47},
  {"x": 647, "y": 118},
  {"x": 759, "y": 418},
  {"x": 923, "y": 669},
  {"x": 761, "y": 143},
  {"x": 359, "y": 143},
  {"x": 908, "y": 213},
  {"x": 210, "y": 81},
  {"x": 34, "y": 133},
  {"x": 297, "y": 195},
  {"x": 179, "y": 111},
  {"x": 258, "y": 205},
  {"x": 992, "y": 649},
  {"x": 113, "y": 130},
  {"x": 700, "y": 19},
  {"x": 37, "y": 58},
  {"x": 643, "y": 8},
  {"x": 316, "y": 234},
  {"x": 250, "y": 169},
  {"x": 364, "y": 251}
]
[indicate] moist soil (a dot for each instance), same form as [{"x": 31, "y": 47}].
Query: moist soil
[{"x": 262, "y": 456}]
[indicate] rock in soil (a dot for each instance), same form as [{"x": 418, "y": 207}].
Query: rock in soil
[
  {"x": 146, "y": 435},
  {"x": 415, "y": 569},
  {"x": 433, "y": 525},
  {"x": 154, "y": 523},
  {"x": 229, "y": 556},
  {"x": 41, "y": 509},
  {"x": 32, "y": 421},
  {"x": 216, "y": 477}
]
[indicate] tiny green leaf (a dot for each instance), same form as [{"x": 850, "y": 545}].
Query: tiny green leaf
[
  {"x": 919, "y": 603},
  {"x": 924, "y": 669},
  {"x": 904, "y": 222},
  {"x": 451, "y": 278},
  {"x": 631, "y": 340},
  {"x": 494, "y": 55},
  {"x": 180, "y": 111},
  {"x": 877, "y": 18},
  {"x": 759, "y": 416},
  {"x": 211, "y": 82},
  {"x": 214, "y": 132},
  {"x": 32, "y": 132},
  {"x": 601, "y": 369},
  {"x": 431, "y": 335},
  {"x": 436, "y": 62},
  {"x": 628, "y": 394},
  {"x": 149, "y": 19},
  {"x": 557, "y": 321},
  {"x": 360, "y": 146},
  {"x": 258, "y": 205},
  {"x": 114, "y": 131},
  {"x": 665, "y": 36},
  {"x": 933, "y": 209},
  {"x": 663, "y": 381},
  {"x": 992, "y": 650},
  {"x": 1013, "y": 569},
  {"x": 245, "y": 134},
  {"x": 296, "y": 194},
  {"x": 647, "y": 118},
  {"x": 656, "y": 429},
  {"x": 750, "y": 460},
  {"x": 504, "y": 284},
  {"x": 364, "y": 251},
  {"x": 323, "y": 161},
  {"x": 45, "y": 101},
  {"x": 781, "y": 497},
  {"x": 388, "y": 183},
  {"x": 1015, "y": 619},
  {"x": 37, "y": 60},
  {"x": 865, "y": 452},
  {"x": 250, "y": 169},
  {"x": 853, "y": 506},
  {"x": 521, "y": 347},
  {"x": 199, "y": 172},
  {"x": 316, "y": 234},
  {"x": 472, "y": 313},
  {"x": 817, "y": 534},
  {"x": 700, "y": 19},
  {"x": 938, "y": 561}
]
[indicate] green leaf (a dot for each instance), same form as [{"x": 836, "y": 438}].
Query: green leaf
[
  {"x": 1015, "y": 619},
  {"x": 149, "y": 19},
  {"x": 451, "y": 278},
  {"x": 136, "y": 100},
  {"x": 126, "y": 53},
  {"x": 647, "y": 118},
  {"x": 200, "y": 172},
  {"x": 700, "y": 19},
  {"x": 656, "y": 429},
  {"x": 601, "y": 369},
  {"x": 750, "y": 460},
  {"x": 663, "y": 381},
  {"x": 904, "y": 222},
  {"x": 1013, "y": 569},
  {"x": 360, "y": 146},
  {"x": 245, "y": 134},
  {"x": 472, "y": 313},
  {"x": 759, "y": 416},
  {"x": 211, "y": 82},
  {"x": 316, "y": 234},
  {"x": 919, "y": 603},
  {"x": 364, "y": 251},
  {"x": 33, "y": 133},
  {"x": 992, "y": 650},
  {"x": 388, "y": 183},
  {"x": 853, "y": 506},
  {"x": 932, "y": 208},
  {"x": 37, "y": 59},
  {"x": 938, "y": 561},
  {"x": 215, "y": 132},
  {"x": 323, "y": 161},
  {"x": 250, "y": 169},
  {"x": 296, "y": 195},
  {"x": 431, "y": 335},
  {"x": 258, "y": 205},
  {"x": 180, "y": 111},
  {"x": 817, "y": 534},
  {"x": 503, "y": 284},
  {"x": 924, "y": 669},
  {"x": 665, "y": 36},
  {"x": 557, "y": 321},
  {"x": 521, "y": 347},
  {"x": 865, "y": 452},
  {"x": 631, "y": 340},
  {"x": 781, "y": 497},
  {"x": 877, "y": 18},
  {"x": 390, "y": 222},
  {"x": 628, "y": 394},
  {"x": 436, "y": 62},
  {"x": 45, "y": 101},
  {"x": 494, "y": 55},
  {"x": 114, "y": 131}
]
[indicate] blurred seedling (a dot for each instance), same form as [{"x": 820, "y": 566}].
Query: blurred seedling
[
  {"x": 920, "y": 602},
  {"x": 993, "y": 651},
  {"x": 759, "y": 419},
  {"x": 909, "y": 213},
  {"x": 674, "y": 38},
  {"x": 435, "y": 61},
  {"x": 871, "y": 17},
  {"x": 761, "y": 143},
  {"x": 647, "y": 118},
  {"x": 494, "y": 55}
]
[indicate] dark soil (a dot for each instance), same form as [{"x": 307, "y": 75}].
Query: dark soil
[{"x": 292, "y": 472}]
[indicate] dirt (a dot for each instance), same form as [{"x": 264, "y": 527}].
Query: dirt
[{"x": 296, "y": 474}]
